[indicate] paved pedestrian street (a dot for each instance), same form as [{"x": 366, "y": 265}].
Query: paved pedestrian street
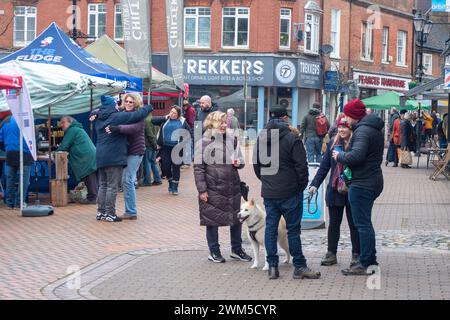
[{"x": 163, "y": 254}]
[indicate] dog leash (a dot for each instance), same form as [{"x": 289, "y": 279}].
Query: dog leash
[{"x": 316, "y": 203}]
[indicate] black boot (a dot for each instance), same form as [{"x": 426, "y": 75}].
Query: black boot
[
  {"x": 273, "y": 273},
  {"x": 175, "y": 188}
]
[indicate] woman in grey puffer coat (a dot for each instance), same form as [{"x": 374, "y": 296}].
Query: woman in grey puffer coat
[{"x": 218, "y": 184}]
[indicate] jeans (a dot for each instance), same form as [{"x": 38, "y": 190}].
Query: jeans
[
  {"x": 109, "y": 179},
  {"x": 392, "y": 154},
  {"x": 187, "y": 156},
  {"x": 91, "y": 182},
  {"x": 361, "y": 201},
  {"x": 13, "y": 184},
  {"x": 314, "y": 149},
  {"x": 151, "y": 164},
  {"x": 128, "y": 183},
  {"x": 334, "y": 229},
  {"x": 291, "y": 209},
  {"x": 212, "y": 236},
  {"x": 169, "y": 169}
]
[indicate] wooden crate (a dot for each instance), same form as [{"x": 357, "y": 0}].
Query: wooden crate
[
  {"x": 61, "y": 165},
  {"x": 59, "y": 195}
]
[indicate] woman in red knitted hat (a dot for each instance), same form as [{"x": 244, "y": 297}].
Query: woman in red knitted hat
[{"x": 364, "y": 158}]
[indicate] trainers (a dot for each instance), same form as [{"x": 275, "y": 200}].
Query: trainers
[
  {"x": 241, "y": 255},
  {"x": 329, "y": 259},
  {"x": 216, "y": 257},
  {"x": 86, "y": 201},
  {"x": 305, "y": 273},
  {"x": 100, "y": 216},
  {"x": 128, "y": 216},
  {"x": 156, "y": 183},
  {"x": 356, "y": 270},
  {"x": 273, "y": 273},
  {"x": 355, "y": 259},
  {"x": 112, "y": 218}
]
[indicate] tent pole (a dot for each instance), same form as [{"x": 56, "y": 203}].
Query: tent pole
[
  {"x": 49, "y": 160},
  {"x": 91, "y": 125},
  {"x": 21, "y": 152}
]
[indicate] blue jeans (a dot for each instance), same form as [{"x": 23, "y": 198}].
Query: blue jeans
[
  {"x": 361, "y": 202},
  {"x": 291, "y": 209},
  {"x": 314, "y": 149},
  {"x": 150, "y": 163},
  {"x": 187, "y": 156},
  {"x": 128, "y": 183},
  {"x": 13, "y": 184}
]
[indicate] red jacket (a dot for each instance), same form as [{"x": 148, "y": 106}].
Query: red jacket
[
  {"x": 397, "y": 132},
  {"x": 189, "y": 115}
]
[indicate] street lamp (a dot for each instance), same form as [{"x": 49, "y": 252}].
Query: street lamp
[{"x": 422, "y": 26}]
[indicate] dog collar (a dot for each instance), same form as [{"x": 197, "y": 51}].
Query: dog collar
[{"x": 250, "y": 227}]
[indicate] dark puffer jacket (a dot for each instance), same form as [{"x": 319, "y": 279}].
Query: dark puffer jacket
[
  {"x": 290, "y": 177},
  {"x": 112, "y": 148},
  {"x": 220, "y": 180},
  {"x": 365, "y": 154},
  {"x": 135, "y": 136}
]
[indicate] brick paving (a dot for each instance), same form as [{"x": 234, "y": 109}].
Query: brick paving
[{"x": 35, "y": 253}]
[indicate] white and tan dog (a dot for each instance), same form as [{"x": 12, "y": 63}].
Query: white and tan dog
[{"x": 254, "y": 217}]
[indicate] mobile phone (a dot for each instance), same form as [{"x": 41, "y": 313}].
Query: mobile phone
[{"x": 338, "y": 148}]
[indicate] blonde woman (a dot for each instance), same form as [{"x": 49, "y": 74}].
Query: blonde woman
[
  {"x": 336, "y": 200},
  {"x": 136, "y": 150},
  {"x": 218, "y": 184}
]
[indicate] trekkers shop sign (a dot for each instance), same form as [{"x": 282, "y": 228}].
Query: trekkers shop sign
[
  {"x": 259, "y": 70},
  {"x": 374, "y": 81},
  {"x": 228, "y": 70}
]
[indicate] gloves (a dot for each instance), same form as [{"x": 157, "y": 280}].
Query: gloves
[
  {"x": 112, "y": 129},
  {"x": 312, "y": 190}
]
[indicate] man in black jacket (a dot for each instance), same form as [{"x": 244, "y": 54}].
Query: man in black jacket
[
  {"x": 280, "y": 164},
  {"x": 364, "y": 158}
]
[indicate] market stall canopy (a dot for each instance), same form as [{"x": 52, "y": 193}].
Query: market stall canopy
[
  {"x": 65, "y": 90},
  {"x": 391, "y": 99},
  {"x": 108, "y": 51},
  {"x": 10, "y": 81},
  {"x": 54, "y": 47}
]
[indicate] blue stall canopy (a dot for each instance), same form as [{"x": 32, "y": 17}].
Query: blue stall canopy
[{"x": 54, "y": 47}]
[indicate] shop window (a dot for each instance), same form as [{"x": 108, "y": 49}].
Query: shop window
[
  {"x": 366, "y": 41},
  {"x": 24, "y": 25},
  {"x": 285, "y": 28},
  {"x": 335, "y": 40},
  {"x": 401, "y": 48},
  {"x": 197, "y": 27},
  {"x": 385, "y": 46},
  {"x": 118, "y": 25},
  {"x": 235, "y": 27},
  {"x": 428, "y": 64},
  {"x": 96, "y": 19}
]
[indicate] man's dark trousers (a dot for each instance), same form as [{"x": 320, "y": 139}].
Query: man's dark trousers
[{"x": 291, "y": 209}]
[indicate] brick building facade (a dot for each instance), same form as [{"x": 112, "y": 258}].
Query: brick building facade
[{"x": 372, "y": 45}]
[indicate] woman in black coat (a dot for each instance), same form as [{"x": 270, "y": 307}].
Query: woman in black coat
[
  {"x": 218, "y": 184},
  {"x": 336, "y": 201},
  {"x": 407, "y": 135}
]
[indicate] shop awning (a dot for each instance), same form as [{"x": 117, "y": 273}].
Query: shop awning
[{"x": 391, "y": 99}]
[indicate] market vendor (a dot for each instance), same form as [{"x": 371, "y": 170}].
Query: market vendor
[
  {"x": 82, "y": 156},
  {"x": 10, "y": 142}
]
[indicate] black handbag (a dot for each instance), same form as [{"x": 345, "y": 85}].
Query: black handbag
[{"x": 244, "y": 190}]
